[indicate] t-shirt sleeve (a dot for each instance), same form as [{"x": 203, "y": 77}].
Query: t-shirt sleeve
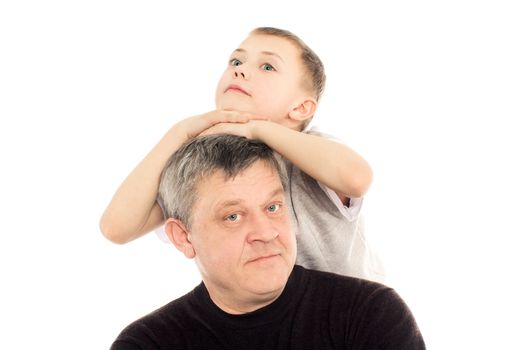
[
  {"x": 161, "y": 234},
  {"x": 385, "y": 322},
  {"x": 159, "y": 231},
  {"x": 350, "y": 212}
]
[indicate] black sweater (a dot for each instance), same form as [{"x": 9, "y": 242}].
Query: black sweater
[{"x": 317, "y": 310}]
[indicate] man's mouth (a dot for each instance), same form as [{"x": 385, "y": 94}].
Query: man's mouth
[
  {"x": 236, "y": 89},
  {"x": 264, "y": 257}
]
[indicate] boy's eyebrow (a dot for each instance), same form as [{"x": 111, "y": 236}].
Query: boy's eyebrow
[{"x": 267, "y": 53}]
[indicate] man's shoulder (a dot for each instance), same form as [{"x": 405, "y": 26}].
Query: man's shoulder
[
  {"x": 171, "y": 318},
  {"x": 351, "y": 292},
  {"x": 336, "y": 281},
  {"x": 373, "y": 310}
]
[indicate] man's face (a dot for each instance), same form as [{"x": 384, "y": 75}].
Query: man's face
[
  {"x": 263, "y": 77},
  {"x": 241, "y": 233}
]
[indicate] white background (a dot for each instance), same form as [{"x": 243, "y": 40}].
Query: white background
[{"x": 431, "y": 93}]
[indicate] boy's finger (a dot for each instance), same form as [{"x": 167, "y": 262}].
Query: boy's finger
[
  {"x": 209, "y": 131},
  {"x": 229, "y": 116},
  {"x": 240, "y": 117},
  {"x": 220, "y": 116},
  {"x": 260, "y": 117},
  {"x": 234, "y": 117},
  {"x": 251, "y": 116}
]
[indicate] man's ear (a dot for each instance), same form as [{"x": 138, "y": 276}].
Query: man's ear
[
  {"x": 179, "y": 236},
  {"x": 304, "y": 110}
]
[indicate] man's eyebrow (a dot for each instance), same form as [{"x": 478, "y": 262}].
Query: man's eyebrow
[
  {"x": 234, "y": 202},
  {"x": 229, "y": 203},
  {"x": 267, "y": 53},
  {"x": 278, "y": 191}
]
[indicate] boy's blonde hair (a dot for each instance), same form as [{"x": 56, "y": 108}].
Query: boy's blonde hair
[{"x": 315, "y": 77}]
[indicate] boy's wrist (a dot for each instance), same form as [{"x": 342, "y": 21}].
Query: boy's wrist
[
  {"x": 177, "y": 135},
  {"x": 259, "y": 128}
]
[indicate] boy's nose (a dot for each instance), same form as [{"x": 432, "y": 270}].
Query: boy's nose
[{"x": 240, "y": 72}]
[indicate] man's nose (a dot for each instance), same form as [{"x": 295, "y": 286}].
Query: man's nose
[{"x": 262, "y": 230}]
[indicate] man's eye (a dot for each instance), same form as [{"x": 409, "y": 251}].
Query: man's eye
[
  {"x": 274, "y": 207},
  {"x": 267, "y": 67},
  {"x": 232, "y": 217},
  {"x": 235, "y": 62}
]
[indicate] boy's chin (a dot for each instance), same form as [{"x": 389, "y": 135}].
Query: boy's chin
[{"x": 231, "y": 104}]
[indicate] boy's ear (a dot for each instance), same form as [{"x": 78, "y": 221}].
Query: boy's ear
[
  {"x": 303, "y": 111},
  {"x": 179, "y": 236}
]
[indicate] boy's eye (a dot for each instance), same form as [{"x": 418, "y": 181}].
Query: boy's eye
[
  {"x": 235, "y": 62},
  {"x": 267, "y": 67},
  {"x": 274, "y": 207},
  {"x": 232, "y": 217}
]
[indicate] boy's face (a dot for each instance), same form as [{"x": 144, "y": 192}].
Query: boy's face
[{"x": 264, "y": 77}]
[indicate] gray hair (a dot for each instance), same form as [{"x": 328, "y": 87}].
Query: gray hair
[{"x": 201, "y": 157}]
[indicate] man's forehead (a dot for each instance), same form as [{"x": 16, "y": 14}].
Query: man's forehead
[
  {"x": 235, "y": 200},
  {"x": 256, "y": 175},
  {"x": 258, "y": 180}
]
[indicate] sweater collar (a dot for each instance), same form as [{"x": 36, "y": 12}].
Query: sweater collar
[{"x": 270, "y": 313}]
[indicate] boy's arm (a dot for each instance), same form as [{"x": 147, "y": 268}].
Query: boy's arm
[
  {"x": 331, "y": 163},
  {"x": 133, "y": 210}
]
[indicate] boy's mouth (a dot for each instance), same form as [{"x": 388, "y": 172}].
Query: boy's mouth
[{"x": 237, "y": 89}]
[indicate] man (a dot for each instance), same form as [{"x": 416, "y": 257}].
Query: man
[{"x": 226, "y": 204}]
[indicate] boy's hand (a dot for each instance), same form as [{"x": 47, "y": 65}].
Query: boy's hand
[
  {"x": 196, "y": 125},
  {"x": 239, "y": 129}
]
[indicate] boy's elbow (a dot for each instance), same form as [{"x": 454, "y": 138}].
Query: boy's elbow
[
  {"x": 360, "y": 190},
  {"x": 111, "y": 231},
  {"x": 359, "y": 185}
]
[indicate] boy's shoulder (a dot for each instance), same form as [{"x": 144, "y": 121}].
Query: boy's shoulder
[{"x": 315, "y": 130}]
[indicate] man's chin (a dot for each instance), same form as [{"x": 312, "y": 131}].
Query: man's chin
[
  {"x": 268, "y": 281},
  {"x": 267, "y": 290}
]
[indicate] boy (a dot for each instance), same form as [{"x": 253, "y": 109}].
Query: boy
[{"x": 269, "y": 92}]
